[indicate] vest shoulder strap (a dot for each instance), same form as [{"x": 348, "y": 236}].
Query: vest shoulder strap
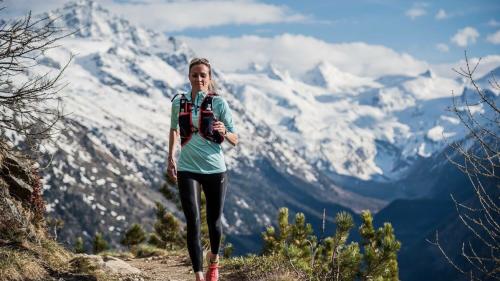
[
  {"x": 208, "y": 101},
  {"x": 183, "y": 95}
]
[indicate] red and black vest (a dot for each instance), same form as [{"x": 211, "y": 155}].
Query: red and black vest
[{"x": 206, "y": 118}]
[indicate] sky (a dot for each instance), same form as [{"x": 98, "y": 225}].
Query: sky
[{"x": 407, "y": 34}]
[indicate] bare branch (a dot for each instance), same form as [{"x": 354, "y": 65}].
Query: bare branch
[
  {"x": 481, "y": 164},
  {"x": 30, "y": 102}
]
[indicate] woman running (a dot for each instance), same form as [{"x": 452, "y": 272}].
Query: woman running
[{"x": 203, "y": 120}]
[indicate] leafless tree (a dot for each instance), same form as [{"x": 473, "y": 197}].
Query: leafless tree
[
  {"x": 480, "y": 161},
  {"x": 30, "y": 104}
]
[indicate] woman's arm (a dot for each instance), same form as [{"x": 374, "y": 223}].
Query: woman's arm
[
  {"x": 232, "y": 138},
  {"x": 172, "y": 140},
  {"x": 172, "y": 144},
  {"x": 226, "y": 119}
]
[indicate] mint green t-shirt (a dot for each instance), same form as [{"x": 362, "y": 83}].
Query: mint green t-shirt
[{"x": 200, "y": 155}]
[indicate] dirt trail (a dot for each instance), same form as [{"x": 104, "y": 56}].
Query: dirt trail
[{"x": 174, "y": 267}]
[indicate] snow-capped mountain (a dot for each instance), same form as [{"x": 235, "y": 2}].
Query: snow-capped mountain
[
  {"x": 368, "y": 131},
  {"x": 299, "y": 138},
  {"x": 325, "y": 75}
]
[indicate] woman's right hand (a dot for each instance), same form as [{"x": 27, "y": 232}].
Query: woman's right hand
[{"x": 172, "y": 171}]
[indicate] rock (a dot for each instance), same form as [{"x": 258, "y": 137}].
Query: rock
[
  {"x": 15, "y": 225},
  {"x": 17, "y": 174},
  {"x": 110, "y": 265},
  {"x": 18, "y": 188},
  {"x": 119, "y": 266}
]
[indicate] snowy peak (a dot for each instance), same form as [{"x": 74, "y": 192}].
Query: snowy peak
[
  {"x": 325, "y": 75},
  {"x": 255, "y": 68},
  {"x": 489, "y": 78},
  {"x": 88, "y": 19},
  {"x": 179, "y": 46},
  {"x": 428, "y": 74},
  {"x": 273, "y": 72},
  {"x": 177, "y": 54},
  {"x": 118, "y": 53},
  {"x": 495, "y": 72},
  {"x": 318, "y": 76}
]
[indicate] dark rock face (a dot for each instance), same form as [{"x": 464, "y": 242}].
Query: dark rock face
[
  {"x": 17, "y": 178},
  {"x": 17, "y": 222}
]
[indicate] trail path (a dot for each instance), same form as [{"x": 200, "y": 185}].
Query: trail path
[{"x": 174, "y": 267}]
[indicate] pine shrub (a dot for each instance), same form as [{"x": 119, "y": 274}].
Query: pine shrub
[
  {"x": 167, "y": 231},
  {"x": 228, "y": 250},
  {"x": 79, "y": 247},
  {"x": 99, "y": 243},
  {"x": 134, "y": 236},
  {"x": 333, "y": 258}
]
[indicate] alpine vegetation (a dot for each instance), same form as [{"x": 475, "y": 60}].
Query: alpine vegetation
[{"x": 295, "y": 251}]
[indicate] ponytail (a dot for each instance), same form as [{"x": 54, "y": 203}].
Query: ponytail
[{"x": 212, "y": 87}]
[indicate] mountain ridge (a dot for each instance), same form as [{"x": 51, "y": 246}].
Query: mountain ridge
[{"x": 107, "y": 164}]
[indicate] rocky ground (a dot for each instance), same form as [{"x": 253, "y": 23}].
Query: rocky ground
[{"x": 175, "y": 266}]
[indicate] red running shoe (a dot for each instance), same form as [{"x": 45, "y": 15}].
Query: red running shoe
[{"x": 213, "y": 270}]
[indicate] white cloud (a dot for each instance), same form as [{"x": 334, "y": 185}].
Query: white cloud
[
  {"x": 417, "y": 10},
  {"x": 494, "y": 38},
  {"x": 299, "y": 53},
  {"x": 465, "y": 36},
  {"x": 177, "y": 16},
  {"x": 15, "y": 8},
  {"x": 441, "y": 15},
  {"x": 442, "y": 47},
  {"x": 493, "y": 23}
]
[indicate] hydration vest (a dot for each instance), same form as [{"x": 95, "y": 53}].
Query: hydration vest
[{"x": 206, "y": 118}]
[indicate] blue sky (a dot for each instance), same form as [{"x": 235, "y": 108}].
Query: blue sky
[
  {"x": 384, "y": 23},
  {"x": 364, "y": 37}
]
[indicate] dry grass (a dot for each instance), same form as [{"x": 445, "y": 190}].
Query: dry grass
[
  {"x": 45, "y": 261},
  {"x": 117, "y": 254},
  {"x": 262, "y": 268},
  {"x": 33, "y": 261},
  {"x": 146, "y": 250},
  {"x": 19, "y": 265},
  {"x": 54, "y": 255}
]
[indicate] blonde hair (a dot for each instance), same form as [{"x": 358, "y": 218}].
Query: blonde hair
[{"x": 212, "y": 86}]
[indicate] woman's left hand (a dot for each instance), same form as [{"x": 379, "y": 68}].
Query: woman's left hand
[{"x": 220, "y": 127}]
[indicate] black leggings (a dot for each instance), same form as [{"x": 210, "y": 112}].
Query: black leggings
[{"x": 214, "y": 188}]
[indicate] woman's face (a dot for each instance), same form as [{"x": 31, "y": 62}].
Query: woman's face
[{"x": 199, "y": 76}]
